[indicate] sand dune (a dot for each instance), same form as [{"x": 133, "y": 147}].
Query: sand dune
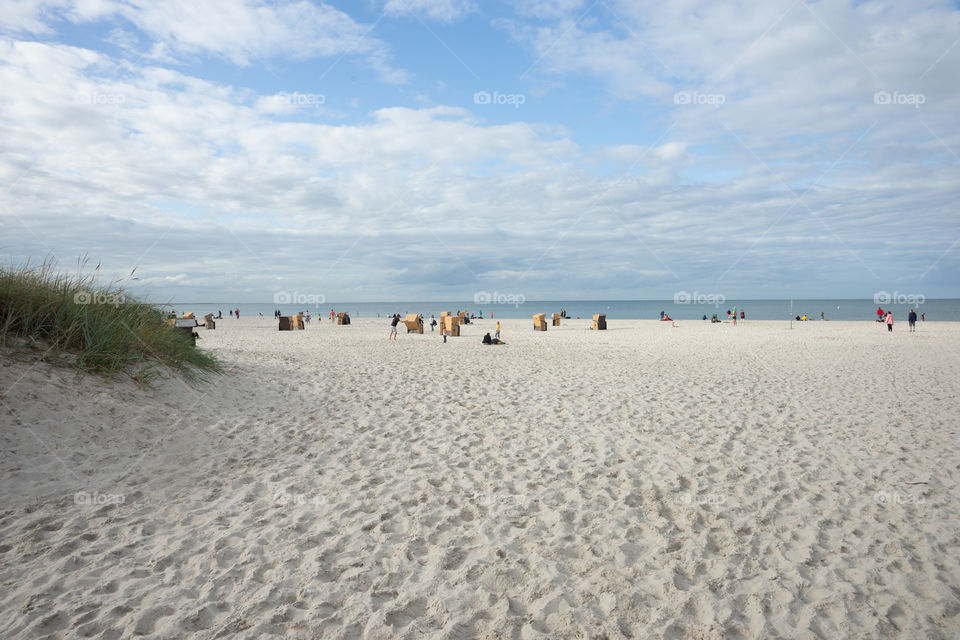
[{"x": 706, "y": 481}]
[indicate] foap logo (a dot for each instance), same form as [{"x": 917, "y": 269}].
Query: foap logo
[
  {"x": 690, "y": 500},
  {"x": 510, "y": 99},
  {"x": 97, "y": 297},
  {"x": 100, "y": 99},
  {"x": 885, "y": 297},
  {"x": 85, "y": 498},
  {"x": 485, "y": 297},
  {"x": 297, "y": 297},
  {"x": 685, "y": 297},
  {"x": 910, "y": 99},
  {"x": 697, "y": 98},
  {"x": 300, "y": 100},
  {"x": 510, "y": 503},
  {"x": 285, "y": 498},
  {"x": 885, "y": 498}
]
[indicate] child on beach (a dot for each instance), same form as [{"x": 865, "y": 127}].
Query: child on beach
[{"x": 889, "y": 321}]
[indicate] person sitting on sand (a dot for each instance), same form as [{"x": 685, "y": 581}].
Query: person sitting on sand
[{"x": 487, "y": 339}]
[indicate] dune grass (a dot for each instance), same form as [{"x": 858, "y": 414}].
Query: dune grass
[{"x": 77, "y": 322}]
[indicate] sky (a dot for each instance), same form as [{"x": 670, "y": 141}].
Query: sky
[{"x": 377, "y": 150}]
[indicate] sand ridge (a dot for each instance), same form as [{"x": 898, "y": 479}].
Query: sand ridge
[{"x": 706, "y": 481}]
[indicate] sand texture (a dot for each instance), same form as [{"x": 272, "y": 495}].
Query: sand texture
[{"x": 705, "y": 481}]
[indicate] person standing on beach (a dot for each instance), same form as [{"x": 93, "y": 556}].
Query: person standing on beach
[
  {"x": 393, "y": 326},
  {"x": 743, "y": 316},
  {"x": 237, "y": 313},
  {"x": 734, "y": 316},
  {"x": 912, "y": 320},
  {"x": 923, "y": 317},
  {"x": 433, "y": 323},
  {"x": 443, "y": 332},
  {"x": 497, "y": 336},
  {"x": 889, "y": 321}
]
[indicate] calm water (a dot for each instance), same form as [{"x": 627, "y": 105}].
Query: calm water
[{"x": 939, "y": 309}]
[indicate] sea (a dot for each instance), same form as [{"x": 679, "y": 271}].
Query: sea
[{"x": 934, "y": 310}]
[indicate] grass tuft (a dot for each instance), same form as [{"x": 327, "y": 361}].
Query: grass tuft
[{"x": 92, "y": 327}]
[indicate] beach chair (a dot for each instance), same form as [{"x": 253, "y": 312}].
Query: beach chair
[
  {"x": 291, "y": 323},
  {"x": 340, "y": 317},
  {"x": 556, "y": 319},
  {"x": 413, "y": 322},
  {"x": 187, "y": 323},
  {"x": 464, "y": 317},
  {"x": 540, "y": 322},
  {"x": 452, "y": 325},
  {"x": 600, "y": 322}
]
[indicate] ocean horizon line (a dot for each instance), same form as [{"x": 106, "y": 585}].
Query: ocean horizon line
[{"x": 537, "y": 300}]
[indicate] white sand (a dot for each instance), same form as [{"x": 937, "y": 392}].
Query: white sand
[{"x": 643, "y": 482}]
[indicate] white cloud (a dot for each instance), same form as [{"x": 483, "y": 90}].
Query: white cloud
[
  {"x": 154, "y": 167},
  {"x": 242, "y": 31}
]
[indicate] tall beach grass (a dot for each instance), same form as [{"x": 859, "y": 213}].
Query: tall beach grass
[{"x": 76, "y": 321}]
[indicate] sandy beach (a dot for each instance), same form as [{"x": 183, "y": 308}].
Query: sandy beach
[{"x": 704, "y": 481}]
